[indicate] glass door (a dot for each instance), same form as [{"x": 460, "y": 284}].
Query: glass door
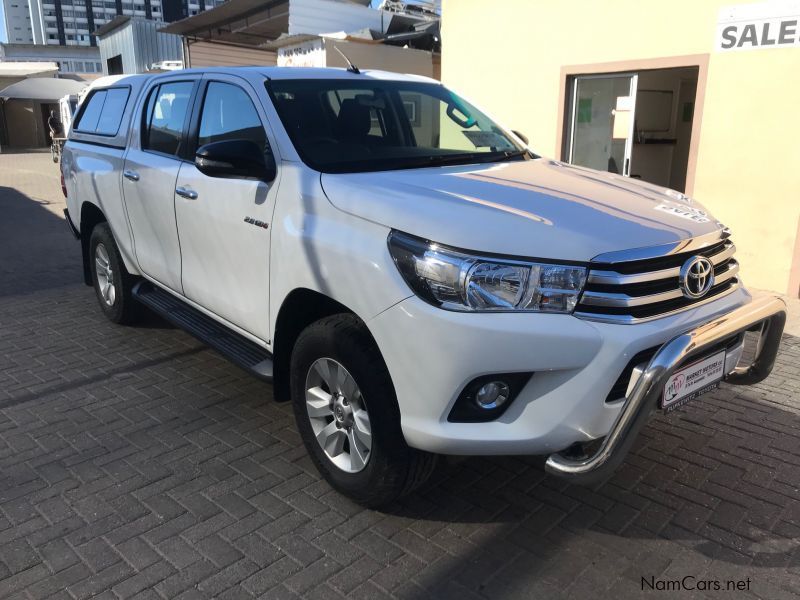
[{"x": 601, "y": 126}]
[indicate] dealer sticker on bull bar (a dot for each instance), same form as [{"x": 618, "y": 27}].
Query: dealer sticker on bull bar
[{"x": 692, "y": 381}]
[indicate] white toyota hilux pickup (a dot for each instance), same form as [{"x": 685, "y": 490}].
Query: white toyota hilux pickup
[{"x": 407, "y": 272}]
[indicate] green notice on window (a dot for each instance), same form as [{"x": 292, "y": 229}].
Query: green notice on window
[
  {"x": 584, "y": 110},
  {"x": 688, "y": 112}
]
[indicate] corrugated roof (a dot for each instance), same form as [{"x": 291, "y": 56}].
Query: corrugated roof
[
  {"x": 292, "y": 40},
  {"x": 117, "y": 21},
  {"x": 256, "y": 22},
  {"x": 225, "y": 21},
  {"x": 47, "y": 89}
]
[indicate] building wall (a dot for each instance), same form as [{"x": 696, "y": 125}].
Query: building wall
[
  {"x": 746, "y": 151},
  {"x": 213, "y": 54},
  {"x": 25, "y": 121},
  {"x": 327, "y": 16},
  {"x": 153, "y": 46},
  {"x": 140, "y": 45},
  {"x": 378, "y": 56}
]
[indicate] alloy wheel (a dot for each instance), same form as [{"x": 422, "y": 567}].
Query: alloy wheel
[
  {"x": 105, "y": 275},
  {"x": 338, "y": 415}
]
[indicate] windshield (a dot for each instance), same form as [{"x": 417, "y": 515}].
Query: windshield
[{"x": 346, "y": 126}]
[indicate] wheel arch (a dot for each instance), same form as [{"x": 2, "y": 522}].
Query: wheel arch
[
  {"x": 300, "y": 308},
  {"x": 91, "y": 216}
]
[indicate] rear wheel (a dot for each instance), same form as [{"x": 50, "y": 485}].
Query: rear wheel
[
  {"x": 347, "y": 413},
  {"x": 112, "y": 282}
]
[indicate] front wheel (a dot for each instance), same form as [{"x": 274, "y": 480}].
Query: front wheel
[{"x": 348, "y": 416}]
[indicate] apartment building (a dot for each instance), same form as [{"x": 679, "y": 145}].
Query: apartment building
[
  {"x": 71, "y": 22},
  {"x": 18, "y": 28}
]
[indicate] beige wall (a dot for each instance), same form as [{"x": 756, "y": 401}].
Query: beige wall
[
  {"x": 22, "y": 117},
  {"x": 746, "y": 153}
]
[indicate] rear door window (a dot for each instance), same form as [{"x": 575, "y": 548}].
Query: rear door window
[
  {"x": 165, "y": 117},
  {"x": 111, "y": 116},
  {"x": 91, "y": 114},
  {"x": 103, "y": 112}
]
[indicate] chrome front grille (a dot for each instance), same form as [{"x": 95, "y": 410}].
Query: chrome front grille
[{"x": 632, "y": 291}]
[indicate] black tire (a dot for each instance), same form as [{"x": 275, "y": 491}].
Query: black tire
[
  {"x": 393, "y": 469},
  {"x": 123, "y": 309}
]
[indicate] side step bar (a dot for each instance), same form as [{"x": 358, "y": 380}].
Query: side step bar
[{"x": 238, "y": 349}]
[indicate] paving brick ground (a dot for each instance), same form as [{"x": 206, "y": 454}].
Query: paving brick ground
[{"x": 135, "y": 463}]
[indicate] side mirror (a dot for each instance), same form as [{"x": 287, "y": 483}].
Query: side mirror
[
  {"x": 235, "y": 159},
  {"x": 521, "y": 136}
]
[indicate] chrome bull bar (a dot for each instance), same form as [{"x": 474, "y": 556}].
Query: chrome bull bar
[{"x": 769, "y": 313}]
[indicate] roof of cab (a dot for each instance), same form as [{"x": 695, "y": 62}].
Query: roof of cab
[
  {"x": 276, "y": 73},
  {"x": 300, "y": 73}
]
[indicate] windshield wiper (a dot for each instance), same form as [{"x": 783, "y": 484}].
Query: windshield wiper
[
  {"x": 437, "y": 160},
  {"x": 455, "y": 159},
  {"x": 510, "y": 155},
  {"x": 441, "y": 160}
]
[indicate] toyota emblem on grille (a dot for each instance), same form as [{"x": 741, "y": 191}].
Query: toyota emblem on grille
[{"x": 696, "y": 277}]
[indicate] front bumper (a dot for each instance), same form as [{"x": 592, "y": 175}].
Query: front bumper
[
  {"x": 767, "y": 314},
  {"x": 433, "y": 353}
]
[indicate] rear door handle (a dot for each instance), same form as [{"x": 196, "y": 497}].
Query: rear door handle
[
  {"x": 132, "y": 175},
  {"x": 186, "y": 193}
]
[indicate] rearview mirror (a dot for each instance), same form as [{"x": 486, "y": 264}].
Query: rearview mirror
[
  {"x": 235, "y": 159},
  {"x": 521, "y": 136}
]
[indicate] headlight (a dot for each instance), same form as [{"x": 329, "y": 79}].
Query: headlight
[{"x": 458, "y": 281}]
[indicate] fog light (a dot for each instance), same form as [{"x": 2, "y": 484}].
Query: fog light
[
  {"x": 492, "y": 394},
  {"x": 487, "y": 397}
]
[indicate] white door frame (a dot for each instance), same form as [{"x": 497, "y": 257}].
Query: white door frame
[{"x": 626, "y": 166}]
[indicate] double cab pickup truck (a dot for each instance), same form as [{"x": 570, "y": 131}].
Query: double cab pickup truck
[{"x": 406, "y": 271}]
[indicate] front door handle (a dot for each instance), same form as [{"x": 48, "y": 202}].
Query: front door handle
[
  {"x": 186, "y": 193},
  {"x": 132, "y": 175}
]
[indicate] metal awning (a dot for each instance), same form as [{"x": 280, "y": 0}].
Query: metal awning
[
  {"x": 425, "y": 36},
  {"x": 20, "y": 69},
  {"x": 250, "y": 22},
  {"x": 43, "y": 89},
  {"x": 266, "y": 23}
]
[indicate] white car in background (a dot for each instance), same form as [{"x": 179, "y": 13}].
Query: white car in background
[
  {"x": 404, "y": 269},
  {"x": 167, "y": 65}
]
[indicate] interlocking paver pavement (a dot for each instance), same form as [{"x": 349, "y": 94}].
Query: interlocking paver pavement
[{"x": 135, "y": 463}]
